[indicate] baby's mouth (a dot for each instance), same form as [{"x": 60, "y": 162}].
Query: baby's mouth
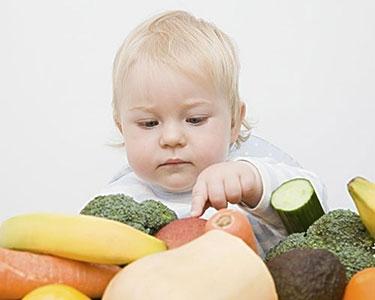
[{"x": 174, "y": 162}]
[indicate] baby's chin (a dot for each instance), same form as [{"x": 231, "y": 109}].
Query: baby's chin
[{"x": 176, "y": 186}]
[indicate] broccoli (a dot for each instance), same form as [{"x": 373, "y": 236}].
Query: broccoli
[
  {"x": 157, "y": 215},
  {"x": 293, "y": 241},
  {"x": 339, "y": 231},
  {"x": 148, "y": 216}
]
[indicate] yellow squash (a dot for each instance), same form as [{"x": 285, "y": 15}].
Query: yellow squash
[
  {"x": 363, "y": 194},
  {"x": 215, "y": 266},
  {"x": 79, "y": 237}
]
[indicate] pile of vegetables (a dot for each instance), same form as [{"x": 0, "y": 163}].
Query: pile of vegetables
[
  {"x": 113, "y": 247},
  {"x": 77, "y": 256},
  {"x": 347, "y": 236},
  {"x": 339, "y": 231},
  {"x": 81, "y": 251}
]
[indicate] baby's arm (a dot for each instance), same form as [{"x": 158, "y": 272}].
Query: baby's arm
[
  {"x": 252, "y": 180},
  {"x": 273, "y": 174},
  {"x": 248, "y": 182}
]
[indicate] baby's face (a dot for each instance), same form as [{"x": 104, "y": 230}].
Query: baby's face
[{"x": 173, "y": 127}]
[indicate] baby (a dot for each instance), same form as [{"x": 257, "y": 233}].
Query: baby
[{"x": 177, "y": 106}]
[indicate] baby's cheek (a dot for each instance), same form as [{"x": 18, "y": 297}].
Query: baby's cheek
[
  {"x": 140, "y": 160},
  {"x": 215, "y": 153}
]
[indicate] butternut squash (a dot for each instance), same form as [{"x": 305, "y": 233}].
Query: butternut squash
[{"x": 216, "y": 265}]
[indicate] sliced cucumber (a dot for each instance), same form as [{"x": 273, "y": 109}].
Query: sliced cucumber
[{"x": 297, "y": 204}]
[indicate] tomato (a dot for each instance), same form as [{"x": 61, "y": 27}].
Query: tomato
[
  {"x": 234, "y": 222},
  {"x": 55, "y": 292}
]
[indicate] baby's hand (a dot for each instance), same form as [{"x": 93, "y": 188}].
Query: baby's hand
[{"x": 232, "y": 181}]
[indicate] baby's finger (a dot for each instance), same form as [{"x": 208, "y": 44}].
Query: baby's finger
[
  {"x": 246, "y": 187},
  {"x": 199, "y": 198},
  {"x": 216, "y": 194},
  {"x": 233, "y": 190}
]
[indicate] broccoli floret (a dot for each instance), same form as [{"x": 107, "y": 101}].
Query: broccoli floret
[
  {"x": 339, "y": 231},
  {"x": 341, "y": 226},
  {"x": 117, "y": 207},
  {"x": 148, "y": 216},
  {"x": 293, "y": 241},
  {"x": 157, "y": 215}
]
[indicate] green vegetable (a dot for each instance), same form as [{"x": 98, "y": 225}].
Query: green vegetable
[
  {"x": 297, "y": 204},
  {"x": 157, "y": 215},
  {"x": 148, "y": 216},
  {"x": 339, "y": 231}
]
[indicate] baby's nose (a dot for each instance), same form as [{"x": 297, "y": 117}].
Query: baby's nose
[{"x": 172, "y": 135}]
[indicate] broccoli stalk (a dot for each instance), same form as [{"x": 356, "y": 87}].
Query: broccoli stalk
[
  {"x": 148, "y": 216},
  {"x": 339, "y": 231}
]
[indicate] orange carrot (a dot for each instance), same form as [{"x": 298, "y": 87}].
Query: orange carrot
[
  {"x": 233, "y": 222},
  {"x": 22, "y": 272}
]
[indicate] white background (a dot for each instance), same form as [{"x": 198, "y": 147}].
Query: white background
[{"x": 307, "y": 75}]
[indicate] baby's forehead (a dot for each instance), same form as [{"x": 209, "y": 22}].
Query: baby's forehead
[{"x": 148, "y": 80}]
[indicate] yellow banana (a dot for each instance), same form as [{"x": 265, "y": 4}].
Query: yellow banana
[
  {"x": 363, "y": 194},
  {"x": 79, "y": 237}
]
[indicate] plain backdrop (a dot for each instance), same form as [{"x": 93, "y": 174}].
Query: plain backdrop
[{"x": 307, "y": 75}]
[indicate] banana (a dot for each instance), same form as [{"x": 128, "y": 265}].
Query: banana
[
  {"x": 363, "y": 193},
  {"x": 78, "y": 237}
]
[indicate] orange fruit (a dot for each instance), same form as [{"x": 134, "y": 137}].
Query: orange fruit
[{"x": 361, "y": 286}]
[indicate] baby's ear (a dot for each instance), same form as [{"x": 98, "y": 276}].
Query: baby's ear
[{"x": 236, "y": 124}]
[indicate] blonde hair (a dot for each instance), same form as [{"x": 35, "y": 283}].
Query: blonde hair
[{"x": 186, "y": 44}]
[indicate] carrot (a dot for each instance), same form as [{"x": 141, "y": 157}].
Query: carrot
[
  {"x": 22, "y": 272},
  {"x": 233, "y": 222}
]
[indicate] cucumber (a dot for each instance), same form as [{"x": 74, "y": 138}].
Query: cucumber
[{"x": 297, "y": 204}]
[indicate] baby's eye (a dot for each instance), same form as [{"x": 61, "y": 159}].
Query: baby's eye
[
  {"x": 149, "y": 124},
  {"x": 196, "y": 120}
]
